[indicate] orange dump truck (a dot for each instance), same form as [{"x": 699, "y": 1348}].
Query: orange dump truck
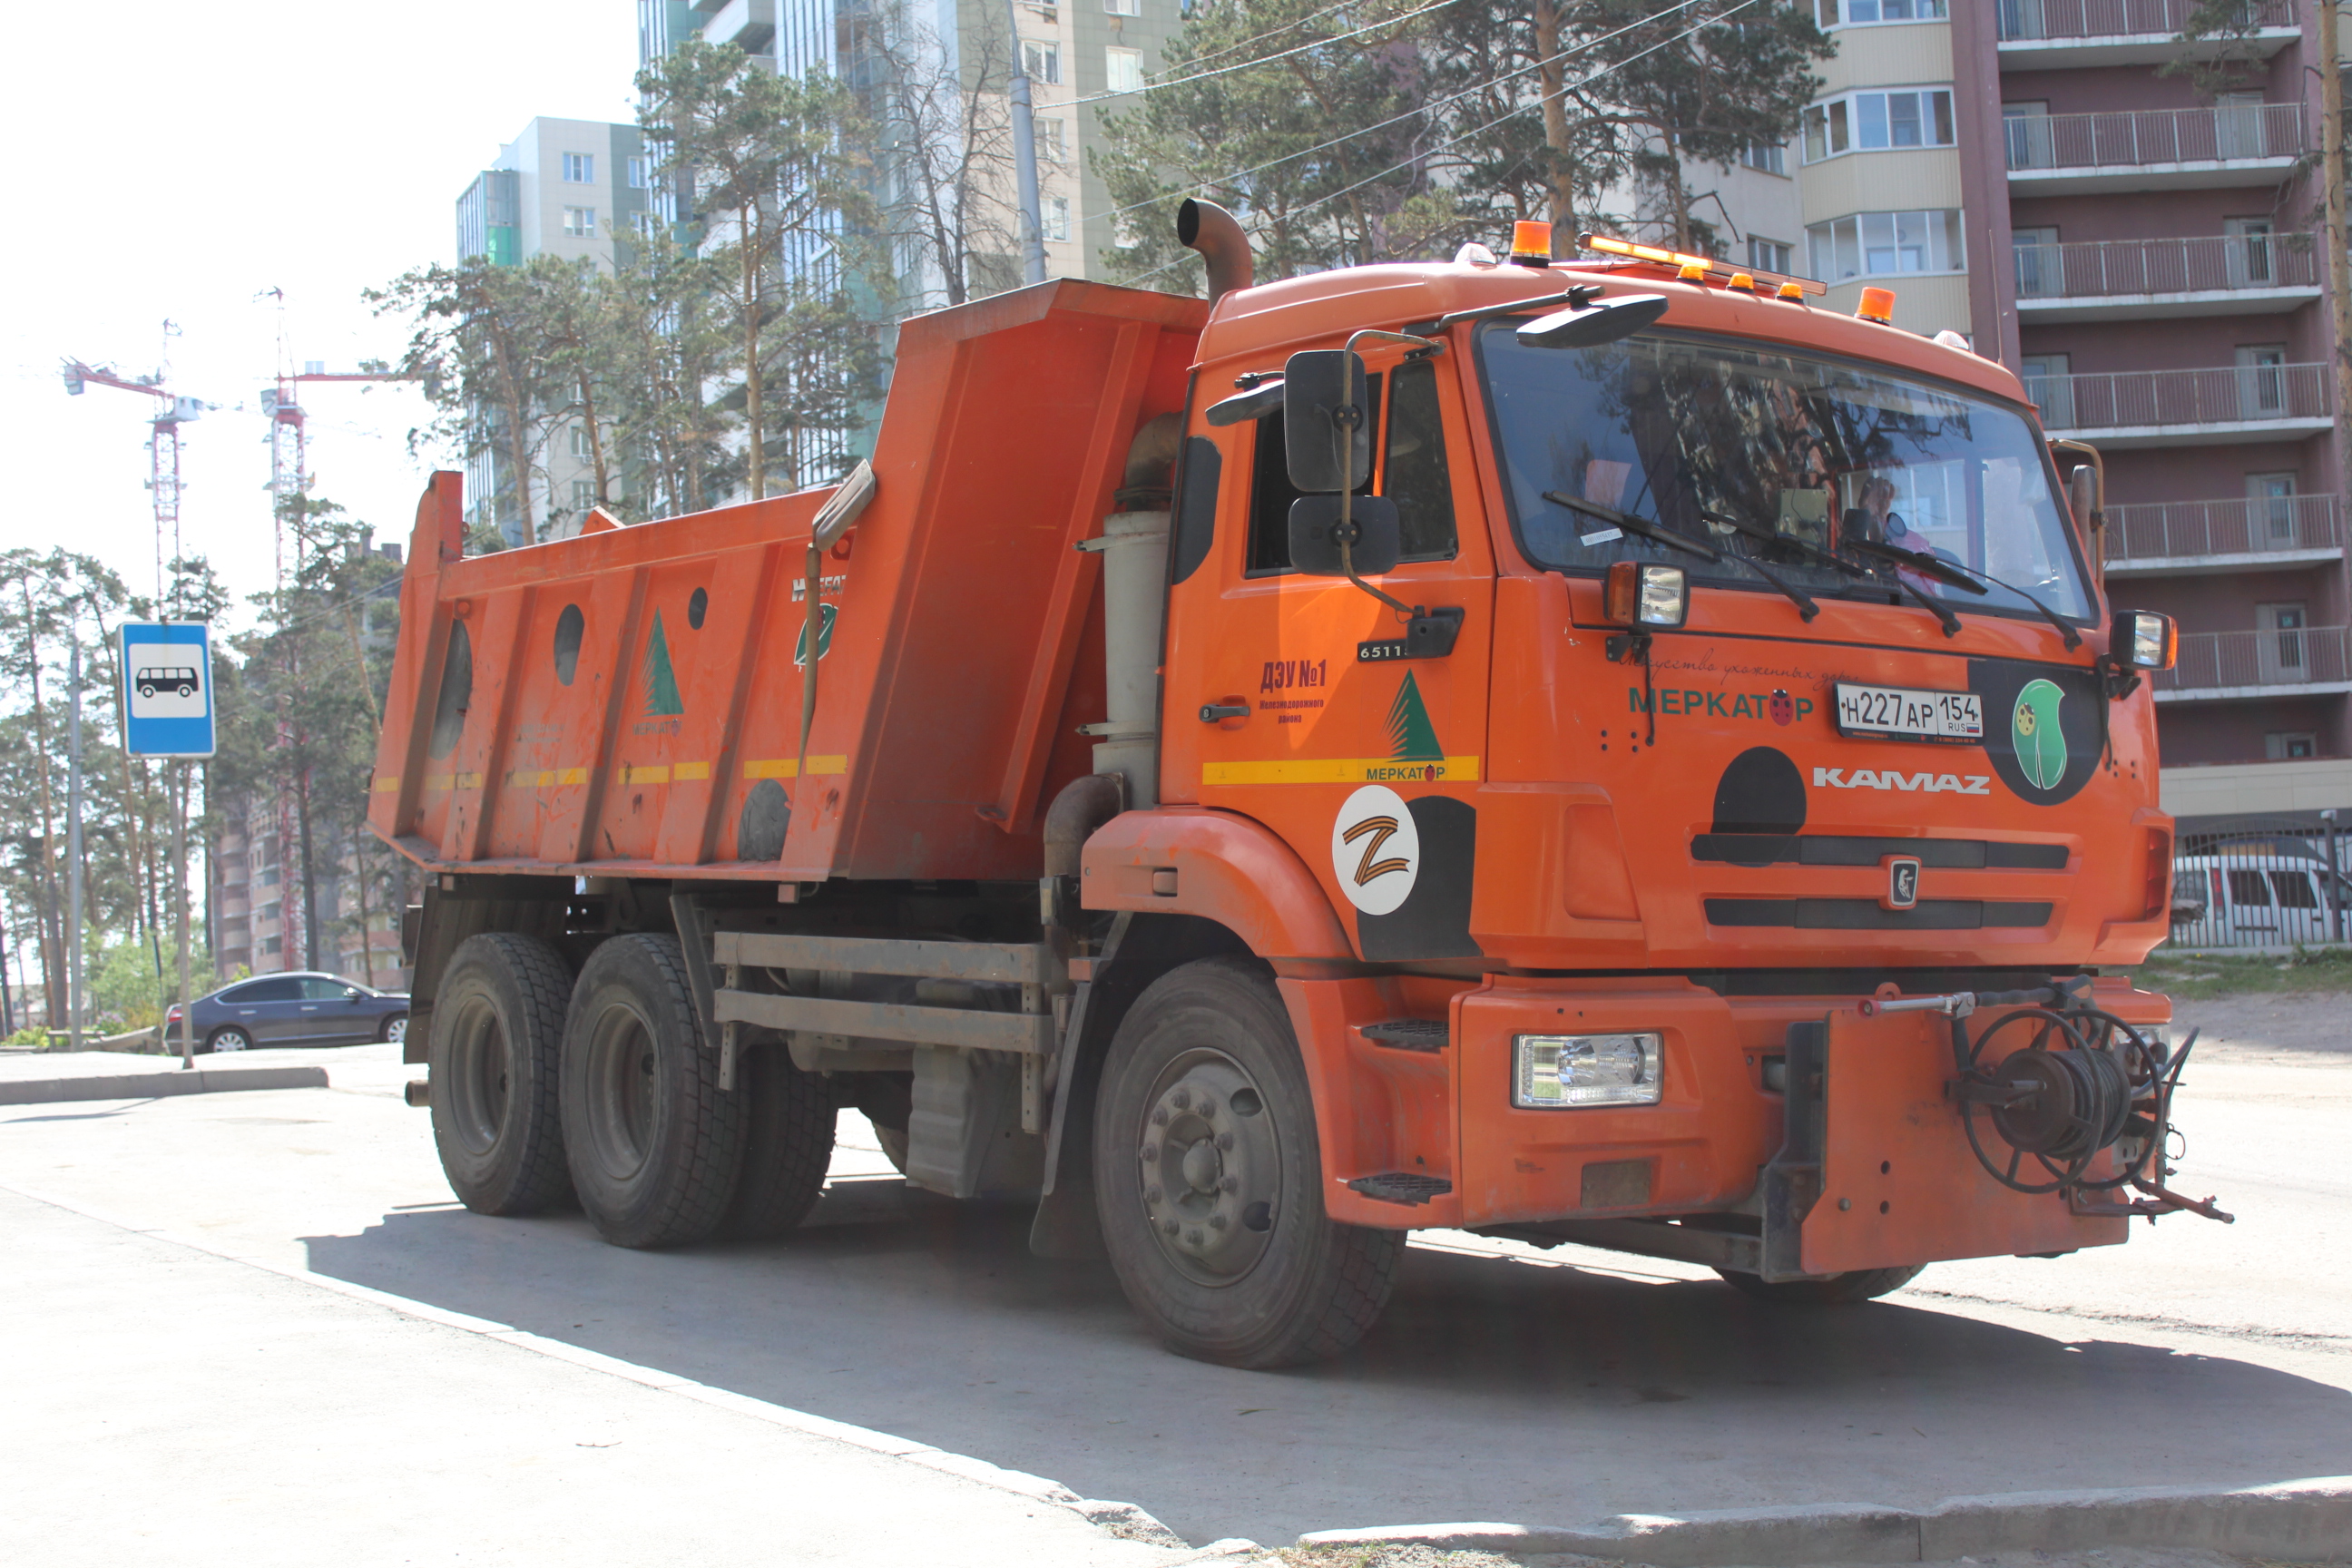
[{"x": 1608, "y": 754}]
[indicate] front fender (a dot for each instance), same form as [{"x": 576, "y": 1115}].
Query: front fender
[{"x": 1220, "y": 866}]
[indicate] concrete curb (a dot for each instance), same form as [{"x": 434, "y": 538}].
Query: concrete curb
[
  {"x": 2306, "y": 1520},
  {"x": 157, "y": 1085},
  {"x": 1120, "y": 1520}
]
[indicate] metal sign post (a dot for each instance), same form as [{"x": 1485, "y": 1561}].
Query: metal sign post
[{"x": 167, "y": 712}]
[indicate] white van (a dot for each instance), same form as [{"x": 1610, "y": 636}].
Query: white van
[{"x": 2254, "y": 899}]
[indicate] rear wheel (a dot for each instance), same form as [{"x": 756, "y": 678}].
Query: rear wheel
[
  {"x": 1829, "y": 1290},
  {"x": 395, "y": 1031},
  {"x": 1207, "y": 1179},
  {"x": 230, "y": 1039},
  {"x": 653, "y": 1144},
  {"x": 497, "y": 1035},
  {"x": 788, "y": 1118}
]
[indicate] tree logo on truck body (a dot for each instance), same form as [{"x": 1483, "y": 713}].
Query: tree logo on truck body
[
  {"x": 1412, "y": 737},
  {"x": 661, "y": 680},
  {"x": 1375, "y": 850}
]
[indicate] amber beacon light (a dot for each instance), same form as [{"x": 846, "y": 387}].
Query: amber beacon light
[
  {"x": 1531, "y": 243},
  {"x": 1876, "y": 305}
]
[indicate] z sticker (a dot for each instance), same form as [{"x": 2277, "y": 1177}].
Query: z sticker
[{"x": 1376, "y": 850}]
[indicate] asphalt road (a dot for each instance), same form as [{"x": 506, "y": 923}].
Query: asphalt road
[{"x": 1502, "y": 1385}]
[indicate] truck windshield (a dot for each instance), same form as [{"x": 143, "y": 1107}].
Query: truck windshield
[{"x": 1763, "y": 453}]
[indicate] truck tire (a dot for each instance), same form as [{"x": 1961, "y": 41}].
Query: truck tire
[
  {"x": 653, "y": 1142},
  {"x": 1208, "y": 1179},
  {"x": 787, "y": 1145},
  {"x": 1829, "y": 1290},
  {"x": 497, "y": 1038}
]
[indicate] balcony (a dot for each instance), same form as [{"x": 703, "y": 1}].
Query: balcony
[
  {"x": 2201, "y": 538},
  {"x": 2223, "y": 666},
  {"x": 2156, "y": 279},
  {"x": 2153, "y": 149},
  {"x": 2047, "y": 35},
  {"x": 749, "y": 25},
  {"x": 2124, "y": 409}
]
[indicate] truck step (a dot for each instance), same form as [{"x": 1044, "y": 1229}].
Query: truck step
[
  {"x": 1402, "y": 1187},
  {"x": 1409, "y": 1033}
]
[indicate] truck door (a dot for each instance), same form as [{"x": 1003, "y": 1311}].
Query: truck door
[{"x": 1364, "y": 760}]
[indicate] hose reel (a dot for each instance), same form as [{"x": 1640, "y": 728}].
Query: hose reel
[{"x": 2057, "y": 1083}]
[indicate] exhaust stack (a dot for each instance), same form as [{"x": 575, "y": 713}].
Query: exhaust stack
[{"x": 1210, "y": 229}]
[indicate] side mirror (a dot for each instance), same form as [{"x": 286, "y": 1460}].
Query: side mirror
[
  {"x": 1378, "y": 536},
  {"x": 1595, "y": 325},
  {"x": 2082, "y": 494},
  {"x": 1325, "y": 423}
]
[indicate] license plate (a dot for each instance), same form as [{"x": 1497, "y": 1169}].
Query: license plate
[{"x": 1902, "y": 715}]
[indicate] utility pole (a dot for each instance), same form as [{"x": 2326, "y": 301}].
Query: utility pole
[
  {"x": 1024, "y": 159},
  {"x": 73, "y": 840},
  {"x": 2331, "y": 178}
]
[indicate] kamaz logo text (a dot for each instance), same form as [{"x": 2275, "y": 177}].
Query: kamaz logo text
[{"x": 1922, "y": 783}]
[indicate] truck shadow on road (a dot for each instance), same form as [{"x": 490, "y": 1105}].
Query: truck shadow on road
[{"x": 1492, "y": 1389}]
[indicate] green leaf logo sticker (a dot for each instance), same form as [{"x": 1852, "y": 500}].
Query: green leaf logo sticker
[{"x": 2040, "y": 739}]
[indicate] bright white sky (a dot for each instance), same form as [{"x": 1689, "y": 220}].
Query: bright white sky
[{"x": 177, "y": 160}]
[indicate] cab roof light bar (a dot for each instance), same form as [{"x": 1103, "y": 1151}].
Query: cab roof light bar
[{"x": 1699, "y": 267}]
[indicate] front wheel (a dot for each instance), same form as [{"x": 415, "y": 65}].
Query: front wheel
[
  {"x": 230, "y": 1039},
  {"x": 1829, "y": 1290},
  {"x": 1207, "y": 1179},
  {"x": 395, "y": 1031}
]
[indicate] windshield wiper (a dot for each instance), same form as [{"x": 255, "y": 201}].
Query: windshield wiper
[
  {"x": 1919, "y": 560},
  {"x": 1944, "y": 570},
  {"x": 1809, "y": 550},
  {"x": 1637, "y": 526}
]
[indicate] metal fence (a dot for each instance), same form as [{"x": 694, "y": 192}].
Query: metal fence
[
  {"x": 2284, "y": 657},
  {"x": 2135, "y": 138},
  {"x": 2260, "y": 887},
  {"x": 2212, "y": 263},
  {"x": 2036, "y": 19},
  {"x": 2170, "y": 530},
  {"x": 2233, "y": 395}
]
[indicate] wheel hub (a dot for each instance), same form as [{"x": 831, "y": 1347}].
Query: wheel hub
[{"x": 1210, "y": 1168}]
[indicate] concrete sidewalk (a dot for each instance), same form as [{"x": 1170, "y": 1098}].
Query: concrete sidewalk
[
  {"x": 34, "y": 1078},
  {"x": 271, "y": 1420}
]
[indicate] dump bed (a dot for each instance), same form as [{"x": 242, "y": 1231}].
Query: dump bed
[{"x": 628, "y": 701}]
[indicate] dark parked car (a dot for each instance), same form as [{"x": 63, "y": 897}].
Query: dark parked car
[{"x": 297, "y": 1009}]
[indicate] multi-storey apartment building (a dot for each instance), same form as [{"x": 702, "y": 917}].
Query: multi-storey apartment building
[
  {"x": 2139, "y": 243},
  {"x": 569, "y": 188}
]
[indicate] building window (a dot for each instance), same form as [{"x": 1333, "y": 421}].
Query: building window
[
  {"x": 273, "y": 945},
  {"x": 1124, "y": 233},
  {"x": 1768, "y": 156},
  {"x": 580, "y": 222},
  {"x": 1123, "y": 69},
  {"x": 580, "y": 168},
  {"x": 580, "y": 442},
  {"x": 2291, "y": 746},
  {"x": 1050, "y": 145},
  {"x": 1768, "y": 254},
  {"x": 1876, "y": 121},
  {"x": 583, "y": 494},
  {"x": 1043, "y": 62},
  {"x": 1878, "y": 245},
  {"x": 641, "y": 173},
  {"x": 271, "y": 910},
  {"x": 1855, "y": 12},
  {"x": 1123, "y": 8},
  {"x": 1055, "y": 216}
]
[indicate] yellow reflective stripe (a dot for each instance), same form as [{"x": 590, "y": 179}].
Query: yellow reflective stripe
[
  {"x": 789, "y": 767},
  {"x": 388, "y": 786},
  {"x": 656, "y": 773},
  {"x": 533, "y": 778},
  {"x": 684, "y": 771},
  {"x": 470, "y": 781},
  {"x": 439, "y": 781},
  {"x": 1341, "y": 769}
]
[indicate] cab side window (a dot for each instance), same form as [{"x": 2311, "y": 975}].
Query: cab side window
[
  {"x": 1411, "y": 469},
  {"x": 1416, "y": 477}
]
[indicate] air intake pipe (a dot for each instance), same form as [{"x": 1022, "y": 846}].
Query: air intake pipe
[
  {"x": 1210, "y": 229},
  {"x": 1134, "y": 548}
]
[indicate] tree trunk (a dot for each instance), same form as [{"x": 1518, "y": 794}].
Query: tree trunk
[
  {"x": 1552, "y": 76},
  {"x": 595, "y": 439},
  {"x": 53, "y": 980},
  {"x": 748, "y": 241},
  {"x": 309, "y": 869}
]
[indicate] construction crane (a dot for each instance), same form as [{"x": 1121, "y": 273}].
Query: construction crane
[
  {"x": 163, "y": 446},
  {"x": 290, "y": 476}
]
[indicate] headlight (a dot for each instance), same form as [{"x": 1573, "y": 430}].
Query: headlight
[
  {"x": 1639, "y": 594},
  {"x": 1556, "y": 1072}
]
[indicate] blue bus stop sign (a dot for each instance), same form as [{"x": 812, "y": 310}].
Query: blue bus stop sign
[{"x": 167, "y": 696}]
